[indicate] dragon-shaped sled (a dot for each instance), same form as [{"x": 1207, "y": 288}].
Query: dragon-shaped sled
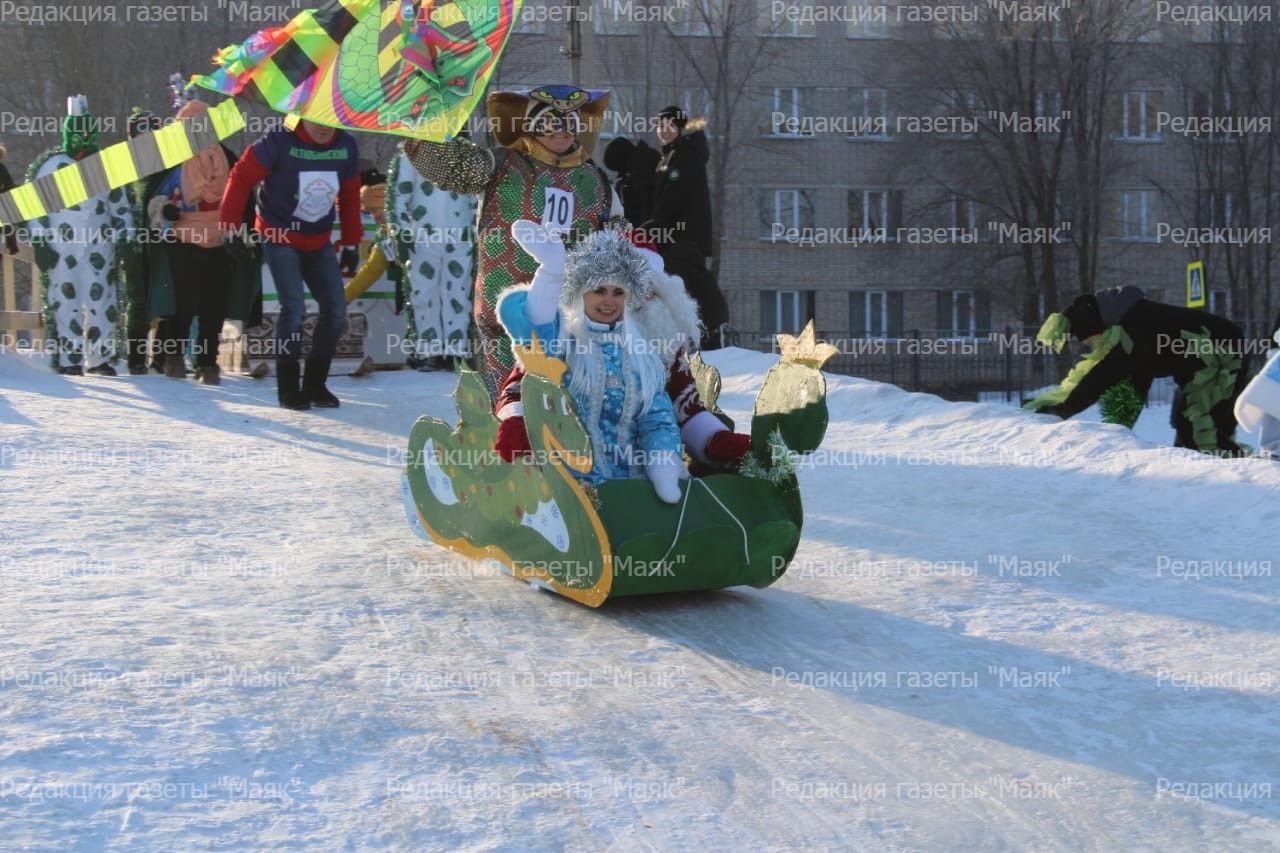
[{"x": 540, "y": 524}]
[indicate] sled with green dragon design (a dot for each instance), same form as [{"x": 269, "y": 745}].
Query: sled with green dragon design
[{"x": 540, "y": 524}]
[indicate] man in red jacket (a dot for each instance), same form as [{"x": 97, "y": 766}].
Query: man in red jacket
[{"x": 305, "y": 173}]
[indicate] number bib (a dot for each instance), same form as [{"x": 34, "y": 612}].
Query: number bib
[{"x": 557, "y": 211}]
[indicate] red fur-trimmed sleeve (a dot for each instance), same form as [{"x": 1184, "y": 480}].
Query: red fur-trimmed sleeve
[
  {"x": 508, "y": 404},
  {"x": 683, "y": 391}
]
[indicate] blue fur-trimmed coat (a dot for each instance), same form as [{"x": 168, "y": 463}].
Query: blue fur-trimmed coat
[{"x": 618, "y": 420}]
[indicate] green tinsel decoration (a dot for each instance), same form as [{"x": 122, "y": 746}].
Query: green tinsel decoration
[
  {"x": 1121, "y": 404},
  {"x": 782, "y": 467}
]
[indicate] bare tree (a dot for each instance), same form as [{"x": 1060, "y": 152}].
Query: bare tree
[
  {"x": 1230, "y": 85},
  {"x": 1039, "y": 95}
]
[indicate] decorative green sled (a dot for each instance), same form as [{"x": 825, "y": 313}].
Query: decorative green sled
[{"x": 540, "y": 524}]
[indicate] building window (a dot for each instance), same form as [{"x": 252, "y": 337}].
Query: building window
[
  {"x": 964, "y": 213},
  {"x": 874, "y": 215},
  {"x": 533, "y": 18},
  {"x": 698, "y": 17},
  {"x": 963, "y": 313},
  {"x": 1230, "y": 30},
  {"x": 793, "y": 18},
  {"x": 785, "y": 311},
  {"x": 1223, "y": 210},
  {"x": 613, "y": 18},
  {"x": 957, "y": 113},
  {"x": 1049, "y": 106},
  {"x": 867, "y": 19},
  {"x": 1136, "y": 215},
  {"x": 785, "y": 210},
  {"x": 869, "y": 114},
  {"x": 1203, "y": 105},
  {"x": 875, "y": 314},
  {"x": 788, "y": 113},
  {"x": 1138, "y": 116},
  {"x": 1220, "y": 302}
]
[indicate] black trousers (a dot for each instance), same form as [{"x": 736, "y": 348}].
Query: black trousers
[
  {"x": 201, "y": 287},
  {"x": 687, "y": 261}
]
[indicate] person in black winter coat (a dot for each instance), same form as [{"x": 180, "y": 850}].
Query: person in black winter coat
[
  {"x": 1134, "y": 338},
  {"x": 635, "y": 164},
  {"x": 679, "y": 220}
]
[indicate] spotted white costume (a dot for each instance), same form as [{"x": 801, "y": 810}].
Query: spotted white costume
[{"x": 433, "y": 230}]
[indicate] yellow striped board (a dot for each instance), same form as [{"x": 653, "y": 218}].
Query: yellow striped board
[{"x": 120, "y": 164}]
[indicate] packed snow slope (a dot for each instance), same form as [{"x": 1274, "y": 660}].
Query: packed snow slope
[{"x": 1001, "y": 632}]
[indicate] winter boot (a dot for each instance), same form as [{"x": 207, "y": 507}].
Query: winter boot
[
  {"x": 209, "y": 374},
  {"x": 103, "y": 369},
  {"x": 313, "y": 388},
  {"x": 287, "y": 386},
  {"x": 175, "y": 367}
]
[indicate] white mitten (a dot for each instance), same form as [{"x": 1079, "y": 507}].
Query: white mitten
[
  {"x": 155, "y": 213},
  {"x": 548, "y": 250},
  {"x": 232, "y": 330},
  {"x": 665, "y": 471}
]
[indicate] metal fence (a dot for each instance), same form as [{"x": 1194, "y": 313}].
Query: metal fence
[{"x": 1002, "y": 365}]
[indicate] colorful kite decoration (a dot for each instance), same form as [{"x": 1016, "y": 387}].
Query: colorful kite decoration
[
  {"x": 120, "y": 164},
  {"x": 406, "y": 67}
]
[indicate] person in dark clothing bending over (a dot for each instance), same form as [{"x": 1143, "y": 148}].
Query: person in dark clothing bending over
[{"x": 1134, "y": 338}]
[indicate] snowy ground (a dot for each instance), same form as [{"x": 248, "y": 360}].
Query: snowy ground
[{"x": 1001, "y": 631}]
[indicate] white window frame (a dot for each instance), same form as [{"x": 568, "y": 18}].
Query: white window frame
[
  {"x": 866, "y": 197},
  {"x": 792, "y": 299},
  {"x": 874, "y": 317},
  {"x": 797, "y": 109},
  {"x": 864, "y": 28},
  {"x": 1142, "y": 203},
  {"x": 604, "y": 12},
  {"x": 1230, "y": 32},
  {"x": 1219, "y": 104},
  {"x": 1226, "y": 201},
  {"x": 536, "y": 22},
  {"x": 798, "y": 197},
  {"x": 1145, "y": 111},
  {"x": 1049, "y": 105},
  {"x": 865, "y": 95},
  {"x": 970, "y": 208},
  {"x": 956, "y": 331},
  {"x": 691, "y": 23},
  {"x": 784, "y": 27}
]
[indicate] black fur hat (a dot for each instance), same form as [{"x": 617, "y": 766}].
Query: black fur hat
[
  {"x": 675, "y": 114},
  {"x": 617, "y": 154}
]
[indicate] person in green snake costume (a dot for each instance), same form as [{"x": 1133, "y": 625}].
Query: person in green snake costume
[
  {"x": 543, "y": 171},
  {"x": 75, "y": 252},
  {"x": 1136, "y": 340}
]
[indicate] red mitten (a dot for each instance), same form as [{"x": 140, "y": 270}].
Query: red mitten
[
  {"x": 513, "y": 440},
  {"x": 728, "y": 446}
]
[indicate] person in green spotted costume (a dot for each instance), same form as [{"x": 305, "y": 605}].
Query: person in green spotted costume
[
  {"x": 543, "y": 172},
  {"x": 75, "y": 251},
  {"x": 1134, "y": 339}
]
